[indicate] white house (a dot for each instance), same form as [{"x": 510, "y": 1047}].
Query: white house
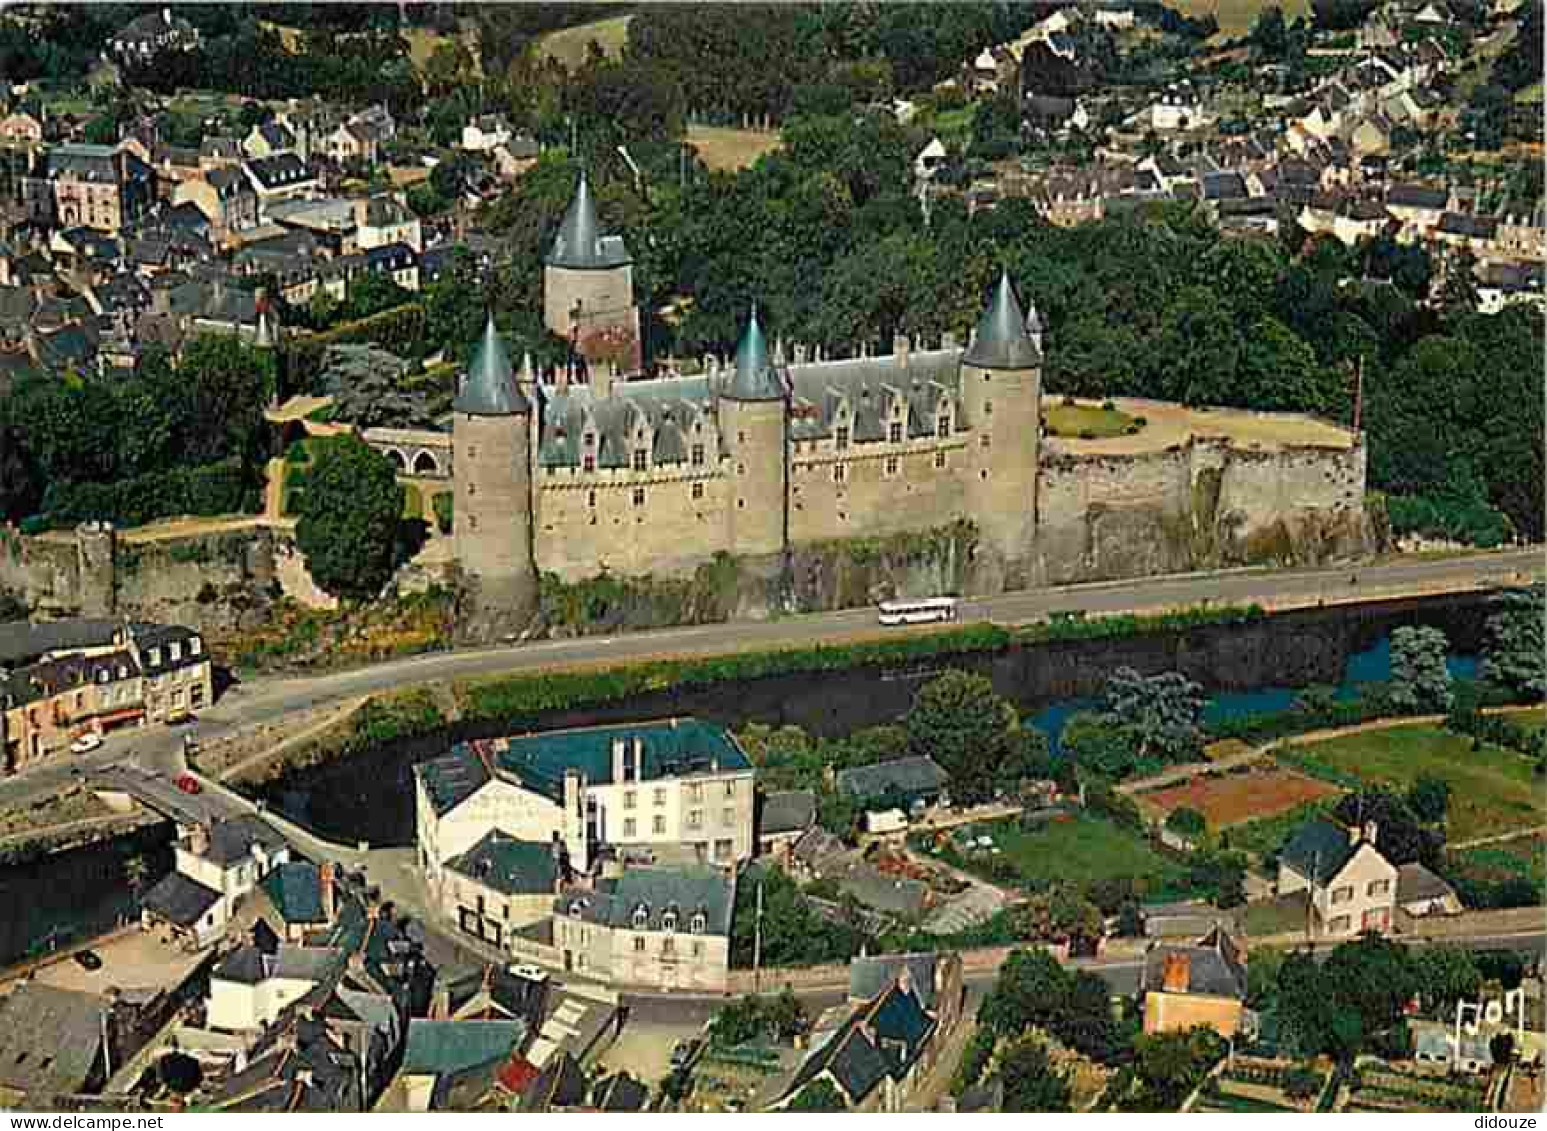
[
  {"x": 929, "y": 159},
  {"x": 215, "y": 867},
  {"x": 1352, "y": 887},
  {"x": 485, "y": 132}
]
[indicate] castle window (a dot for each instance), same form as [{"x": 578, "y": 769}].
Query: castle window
[
  {"x": 639, "y": 496},
  {"x": 589, "y": 463},
  {"x": 741, "y": 437},
  {"x": 741, "y": 469},
  {"x": 472, "y": 451},
  {"x": 894, "y": 432},
  {"x": 472, "y": 522},
  {"x": 698, "y": 490},
  {"x": 838, "y": 470},
  {"x": 984, "y": 440},
  {"x": 590, "y": 439},
  {"x": 698, "y": 455},
  {"x": 639, "y": 945},
  {"x": 988, "y": 408},
  {"x": 472, "y": 488},
  {"x": 590, "y": 499},
  {"x": 891, "y": 465},
  {"x": 639, "y": 459},
  {"x": 943, "y": 428},
  {"x": 841, "y": 438},
  {"x": 939, "y": 459}
]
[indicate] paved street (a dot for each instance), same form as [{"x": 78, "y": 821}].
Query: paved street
[{"x": 266, "y": 701}]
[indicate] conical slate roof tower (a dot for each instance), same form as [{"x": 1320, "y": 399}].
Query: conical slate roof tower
[
  {"x": 490, "y": 389},
  {"x": 1001, "y": 341}
]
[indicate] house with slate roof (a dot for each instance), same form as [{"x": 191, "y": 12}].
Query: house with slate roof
[
  {"x": 1351, "y": 887},
  {"x": 665, "y": 928},
  {"x": 215, "y": 867},
  {"x": 50, "y": 1044},
  {"x": 878, "y": 1054},
  {"x": 500, "y": 885},
  {"x": 671, "y": 782},
  {"x": 439, "y": 1049},
  {"x": 1200, "y": 984},
  {"x": 782, "y": 819},
  {"x": 913, "y": 783}
]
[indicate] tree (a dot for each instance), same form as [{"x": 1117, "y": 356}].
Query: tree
[
  {"x": 1097, "y": 745},
  {"x": 1269, "y": 34},
  {"x": 1031, "y": 989},
  {"x": 964, "y": 725},
  {"x": 819, "y": 1095},
  {"x": 1429, "y": 797},
  {"x": 1420, "y": 681},
  {"x": 1515, "y": 655},
  {"x": 1302, "y": 1084},
  {"x": 1501, "y": 1047},
  {"x": 1446, "y": 975},
  {"x": 1030, "y": 1082},
  {"x": 1400, "y": 835},
  {"x": 179, "y": 1072},
  {"x": 1458, "y": 287},
  {"x": 349, "y": 512},
  {"x": 1162, "y": 711}
]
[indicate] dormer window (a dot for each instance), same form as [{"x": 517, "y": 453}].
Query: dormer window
[
  {"x": 698, "y": 923},
  {"x": 155, "y": 657},
  {"x": 894, "y": 432},
  {"x": 576, "y": 907},
  {"x": 177, "y": 651},
  {"x": 194, "y": 644},
  {"x": 943, "y": 427},
  {"x": 589, "y": 439},
  {"x": 669, "y": 921},
  {"x": 641, "y": 917}
]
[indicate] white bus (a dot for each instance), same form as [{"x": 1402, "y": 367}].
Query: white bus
[{"x": 918, "y": 612}]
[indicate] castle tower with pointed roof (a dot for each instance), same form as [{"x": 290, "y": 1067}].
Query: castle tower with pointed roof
[
  {"x": 588, "y": 289},
  {"x": 492, "y": 508},
  {"x": 754, "y": 427},
  {"x": 1001, "y": 398}
]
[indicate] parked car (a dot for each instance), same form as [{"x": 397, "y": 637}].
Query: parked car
[
  {"x": 88, "y": 959},
  {"x": 86, "y": 743},
  {"x": 188, "y": 784}
]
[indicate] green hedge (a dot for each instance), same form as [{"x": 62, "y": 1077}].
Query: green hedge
[
  {"x": 399, "y": 330},
  {"x": 1471, "y": 521},
  {"x": 1078, "y": 626},
  {"x": 210, "y": 489},
  {"x": 531, "y": 695}
]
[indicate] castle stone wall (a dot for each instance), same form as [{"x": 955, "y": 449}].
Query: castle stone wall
[
  {"x": 872, "y": 501},
  {"x": 669, "y": 535}
]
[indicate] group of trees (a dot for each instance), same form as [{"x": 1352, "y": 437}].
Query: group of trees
[
  {"x": 793, "y": 933},
  {"x": 58, "y": 432},
  {"x": 975, "y": 735},
  {"x": 1145, "y": 722}
]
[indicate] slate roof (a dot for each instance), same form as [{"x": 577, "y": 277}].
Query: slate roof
[
  {"x": 233, "y": 840},
  {"x": 579, "y": 244},
  {"x": 1417, "y": 196},
  {"x": 619, "y": 1092},
  {"x": 866, "y": 391},
  {"x": 505, "y": 864},
  {"x": 49, "y": 1038},
  {"x": 179, "y": 899},
  {"x": 1001, "y": 341},
  {"x": 279, "y": 171},
  {"x": 49, "y": 677},
  {"x": 489, "y": 388},
  {"x": 914, "y": 774},
  {"x": 1318, "y": 846},
  {"x": 1472, "y": 227},
  {"x": 451, "y": 779},
  {"x": 295, "y": 889},
  {"x": 298, "y": 1065},
  {"x": 670, "y": 409},
  {"x": 1224, "y": 186},
  {"x": 754, "y": 378},
  {"x": 436, "y": 1047},
  {"x": 1415, "y": 883},
  {"x": 1216, "y": 967},
  {"x": 686, "y": 892},
  {"x": 672, "y": 748},
  {"x": 788, "y": 811},
  {"x": 160, "y": 638},
  {"x": 868, "y": 976}
]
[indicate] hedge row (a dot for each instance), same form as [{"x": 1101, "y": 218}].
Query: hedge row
[
  {"x": 399, "y": 330},
  {"x": 209, "y": 489},
  {"x": 527, "y": 696},
  {"x": 1078, "y": 626}
]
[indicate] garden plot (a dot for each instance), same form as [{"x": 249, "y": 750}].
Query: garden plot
[{"x": 1234, "y": 798}]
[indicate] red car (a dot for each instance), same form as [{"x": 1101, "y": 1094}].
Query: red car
[{"x": 188, "y": 784}]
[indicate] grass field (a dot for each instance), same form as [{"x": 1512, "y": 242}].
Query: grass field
[
  {"x": 1236, "y": 17},
  {"x": 727, "y": 149},
  {"x": 1522, "y": 858},
  {"x": 1532, "y": 718},
  {"x": 1082, "y": 849},
  {"x": 1491, "y": 790},
  {"x": 1262, "y": 838},
  {"x": 569, "y": 45},
  {"x": 1075, "y": 419},
  {"x": 1232, "y": 799}
]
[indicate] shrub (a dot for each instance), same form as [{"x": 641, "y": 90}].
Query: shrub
[
  {"x": 1087, "y": 434},
  {"x": 1108, "y": 406},
  {"x": 443, "y": 504},
  {"x": 1069, "y": 400},
  {"x": 1132, "y": 430},
  {"x": 1141, "y": 421},
  {"x": 207, "y": 489},
  {"x": 34, "y": 524}
]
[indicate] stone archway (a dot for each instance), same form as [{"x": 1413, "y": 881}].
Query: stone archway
[{"x": 425, "y": 463}]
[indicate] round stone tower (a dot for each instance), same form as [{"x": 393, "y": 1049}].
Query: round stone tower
[
  {"x": 492, "y": 503},
  {"x": 96, "y": 550},
  {"x": 1001, "y": 377},
  {"x": 588, "y": 288},
  {"x": 753, "y": 430}
]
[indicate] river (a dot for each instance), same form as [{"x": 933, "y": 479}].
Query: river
[{"x": 369, "y": 796}]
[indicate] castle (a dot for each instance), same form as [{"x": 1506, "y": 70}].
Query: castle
[{"x": 776, "y": 451}]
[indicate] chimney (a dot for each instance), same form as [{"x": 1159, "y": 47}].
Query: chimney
[
  {"x": 901, "y": 346},
  {"x": 619, "y": 749},
  {"x": 1370, "y": 831},
  {"x": 329, "y": 895},
  {"x": 198, "y": 839},
  {"x": 1177, "y": 974},
  {"x": 639, "y": 758}
]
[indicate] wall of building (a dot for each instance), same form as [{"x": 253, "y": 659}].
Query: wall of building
[{"x": 873, "y": 500}]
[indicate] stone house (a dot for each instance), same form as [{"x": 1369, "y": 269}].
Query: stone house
[
  {"x": 1351, "y": 887},
  {"x": 268, "y": 139},
  {"x": 21, "y": 128},
  {"x": 1420, "y": 894},
  {"x": 500, "y": 885},
  {"x": 677, "y": 782},
  {"x": 93, "y": 186},
  {"x": 1201, "y": 984},
  {"x": 913, "y": 783},
  {"x": 485, "y": 132},
  {"x": 782, "y": 819},
  {"x": 665, "y": 928},
  {"x": 225, "y": 198},
  {"x": 145, "y": 37},
  {"x": 878, "y": 1052},
  {"x": 215, "y": 868},
  {"x": 279, "y": 178}
]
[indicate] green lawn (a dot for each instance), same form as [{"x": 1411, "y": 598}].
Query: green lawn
[
  {"x": 1532, "y": 718},
  {"x": 1082, "y": 849},
  {"x": 1079, "y": 419},
  {"x": 1491, "y": 790},
  {"x": 1524, "y": 857},
  {"x": 570, "y": 45}
]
